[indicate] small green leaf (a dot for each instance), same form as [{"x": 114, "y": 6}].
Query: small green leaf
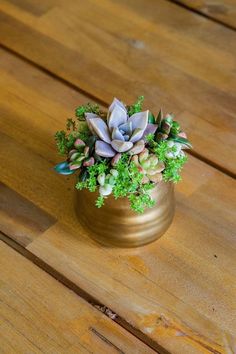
[
  {"x": 90, "y": 143},
  {"x": 136, "y": 107},
  {"x": 63, "y": 168},
  {"x": 179, "y": 139},
  {"x": 159, "y": 117},
  {"x": 83, "y": 175},
  {"x": 70, "y": 125},
  {"x": 169, "y": 118},
  {"x": 151, "y": 118},
  {"x": 166, "y": 126},
  {"x": 175, "y": 129},
  {"x": 97, "y": 157},
  {"x": 100, "y": 201}
]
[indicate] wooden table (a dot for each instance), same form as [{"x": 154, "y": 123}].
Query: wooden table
[{"x": 60, "y": 292}]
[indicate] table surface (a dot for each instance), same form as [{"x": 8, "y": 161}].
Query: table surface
[{"x": 60, "y": 291}]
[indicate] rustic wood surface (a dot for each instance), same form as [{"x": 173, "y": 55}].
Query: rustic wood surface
[
  {"x": 181, "y": 306},
  {"x": 176, "y": 58},
  {"x": 176, "y": 295},
  {"x": 40, "y": 315},
  {"x": 223, "y": 11}
]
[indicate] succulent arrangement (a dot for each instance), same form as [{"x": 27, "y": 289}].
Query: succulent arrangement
[{"x": 124, "y": 151}]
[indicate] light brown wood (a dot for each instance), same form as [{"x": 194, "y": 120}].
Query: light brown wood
[
  {"x": 180, "y": 292},
  {"x": 40, "y": 315},
  {"x": 23, "y": 221},
  {"x": 223, "y": 11},
  {"x": 177, "y": 59}
]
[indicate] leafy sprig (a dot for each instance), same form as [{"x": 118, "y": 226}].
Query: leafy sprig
[
  {"x": 129, "y": 184},
  {"x": 136, "y": 107},
  {"x": 173, "y": 166},
  {"x": 87, "y": 108},
  {"x": 64, "y": 141}
]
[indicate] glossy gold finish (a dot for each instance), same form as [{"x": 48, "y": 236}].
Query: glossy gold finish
[{"x": 116, "y": 225}]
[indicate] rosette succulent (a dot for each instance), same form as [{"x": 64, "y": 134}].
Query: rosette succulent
[
  {"x": 149, "y": 165},
  {"x": 78, "y": 156},
  {"x": 118, "y": 133},
  {"x": 124, "y": 152},
  {"x": 107, "y": 182}
]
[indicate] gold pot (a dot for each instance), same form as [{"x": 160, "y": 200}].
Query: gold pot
[{"x": 115, "y": 224}]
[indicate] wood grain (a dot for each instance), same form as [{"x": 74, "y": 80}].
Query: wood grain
[
  {"x": 21, "y": 219},
  {"x": 180, "y": 292},
  {"x": 223, "y": 11},
  {"x": 40, "y": 315},
  {"x": 179, "y": 307},
  {"x": 181, "y": 61}
]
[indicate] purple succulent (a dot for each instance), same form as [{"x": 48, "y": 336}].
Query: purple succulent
[{"x": 119, "y": 133}]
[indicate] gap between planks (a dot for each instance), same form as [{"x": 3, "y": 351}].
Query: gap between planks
[
  {"x": 97, "y": 100},
  {"x": 80, "y": 292},
  {"x": 200, "y": 13}
]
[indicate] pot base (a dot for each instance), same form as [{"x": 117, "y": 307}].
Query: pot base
[{"x": 116, "y": 225}]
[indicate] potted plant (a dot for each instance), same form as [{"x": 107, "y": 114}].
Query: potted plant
[{"x": 126, "y": 161}]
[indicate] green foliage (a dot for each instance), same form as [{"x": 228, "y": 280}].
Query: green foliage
[
  {"x": 151, "y": 118},
  {"x": 100, "y": 201},
  {"x": 150, "y": 138},
  {"x": 175, "y": 129},
  {"x": 129, "y": 183},
  {"x": 92, "y": 172},
  {"x": 181, "y": 140},
  {"x": 64, "y": 141},
  {"x": 70, "y": 124},
  {"x": 127, "y": 180},
  {"x": 161, "y": 149},
  {"x": 173, "y": 166},
  {"x": 87, "y": 108},
  {"x": 81, "y": 185},
  {"x": 140, "y": 202},
  {"x": 83, "y": 132},
  {"x": 136, "y": 107},
  {"x": 159, "y": 117},
  {"x": 60, "y": 138}
]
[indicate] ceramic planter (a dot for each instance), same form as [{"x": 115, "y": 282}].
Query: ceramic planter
[{"x": 115, "y": 224}]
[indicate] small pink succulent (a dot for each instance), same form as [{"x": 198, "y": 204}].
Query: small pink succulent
[
  {"x": 149, "y": 165},
  {"x": 119, "y": 133}
]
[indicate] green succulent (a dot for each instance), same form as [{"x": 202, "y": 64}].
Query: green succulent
[
  {"x": 149, "y": 165},
  {"x": 107, "y": 182},
  {"x": 168, "y": 128},
  {"x": 79, "y": 156}
]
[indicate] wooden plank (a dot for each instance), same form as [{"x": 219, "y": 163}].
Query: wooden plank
[
  {"x": 30, "y": 6},
  {"x": 182, "y": 62},
  {"x": 40, "y": 315},
  {"x": 222, "y": 11},
  {"x": 23, "y": 221},
  {"x": 182, "y": 306}
]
